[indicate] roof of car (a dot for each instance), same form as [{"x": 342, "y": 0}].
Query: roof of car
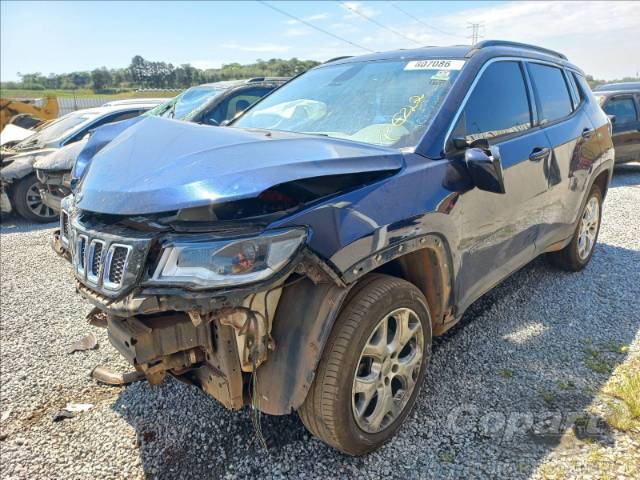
[
  {"x": 134, "y": 101},
  {"x": 113, "y": 108},
  {"x": 455, "y": 51},
  {"x": 618, "y": 87},
  {"x": 237, "y": 83}
]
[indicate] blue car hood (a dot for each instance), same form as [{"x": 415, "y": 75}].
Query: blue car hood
[
  {"x": 98, "y": 139},
  {"x": 160, "y": 165}
]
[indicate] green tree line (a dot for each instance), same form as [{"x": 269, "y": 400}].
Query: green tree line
[{"x": 142, "y": 73}]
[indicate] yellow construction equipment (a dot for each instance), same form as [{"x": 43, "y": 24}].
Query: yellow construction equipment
[{"x": 10, "y": 108}]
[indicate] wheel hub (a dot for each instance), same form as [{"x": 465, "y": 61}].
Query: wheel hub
[
  {"x": 588, "y": 228},
  {"x": 36, "y": 205},
  {"x": 387, "y": 371}
]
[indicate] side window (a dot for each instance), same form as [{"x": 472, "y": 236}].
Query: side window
[
  {"x": 579, "y": 88},
  {"x": 623, "y": 108},
  {"x": 235, "y": 103},
  {"x": 115, "y": 117},
  {"x": 576, "y": 97},
  {"x": 498, "y": 105},
  {"x": 553, "y": 95}
]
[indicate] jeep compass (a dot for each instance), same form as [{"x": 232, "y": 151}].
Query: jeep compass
[{"x": 303, "y": 258}]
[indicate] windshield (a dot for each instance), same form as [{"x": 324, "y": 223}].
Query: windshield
[
  {"x": 183, "y": 105},
  {"x": 55, "y": 130},
  {"x": 386, "y": 103}
]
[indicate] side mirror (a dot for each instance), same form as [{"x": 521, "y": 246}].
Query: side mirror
[
  {"x": 612, "y": 119},
  {"x": 461, "y": 143},
  {"x": 485, "y": 168}
]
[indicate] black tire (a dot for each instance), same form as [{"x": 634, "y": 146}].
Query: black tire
[
  {"x": 327, "y": 411},
  {"x": 28, "y": 203},
  {"x": 569, "y": 258}
]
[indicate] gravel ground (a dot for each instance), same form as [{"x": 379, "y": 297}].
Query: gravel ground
[{"x": 507, "y": 385}]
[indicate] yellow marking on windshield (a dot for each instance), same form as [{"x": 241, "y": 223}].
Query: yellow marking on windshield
[{"x": 401, "y": 116}]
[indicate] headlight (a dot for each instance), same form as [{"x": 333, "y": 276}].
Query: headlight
[{"x": 228, "y": 262}]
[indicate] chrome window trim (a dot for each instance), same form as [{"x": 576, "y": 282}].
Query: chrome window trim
[
  {"x": 106, "y": 266},
  {"x": 94, "y": 279},
  {"x": 522, "y": 60}
]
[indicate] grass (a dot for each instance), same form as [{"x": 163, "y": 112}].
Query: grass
[
  {"x": 506, "y": 373},
  {"x": 568, "y": 385},
  {"x": 617, "y": 347},
  {"x": 547, "y": 396},
  {"x": 595, "y": 362},
  {"x": 13, "y": 93},
  {"x": 446, "y": 457},
  {"x": 624, "y": 391},
  {"x": 553, "y": 472}
]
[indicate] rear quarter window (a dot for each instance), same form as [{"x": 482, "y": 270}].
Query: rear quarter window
[{"x": 554, "y": 101}]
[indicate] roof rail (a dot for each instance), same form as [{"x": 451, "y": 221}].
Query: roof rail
[
  {"x": 267, "y": 79},
  {"x": 506, "y": 43},
  {"x": 335, "y": 59}
]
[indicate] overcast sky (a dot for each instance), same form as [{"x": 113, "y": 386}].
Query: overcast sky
[{"x": 603, "y": 38}]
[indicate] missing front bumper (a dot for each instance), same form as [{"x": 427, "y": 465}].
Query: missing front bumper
[{"x": 204, "y": 354}]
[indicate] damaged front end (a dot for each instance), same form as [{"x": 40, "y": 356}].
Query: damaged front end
[
  {"x": 54, "y": 173},
  {"x": 186, "y": 261},
  {"x": 194, "y": 305},
  {"x": 55, "y": 185}
]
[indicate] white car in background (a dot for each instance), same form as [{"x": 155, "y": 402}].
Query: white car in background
[{"x": 20, "y": 189}]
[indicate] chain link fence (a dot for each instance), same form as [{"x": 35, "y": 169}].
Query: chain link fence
[{"x": 71, "y": 104}]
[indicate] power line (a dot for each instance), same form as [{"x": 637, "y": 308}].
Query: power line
[
  {"x": 393, "y": 4},
  {"x": 475, "y": 32},
  {"x": 378, "y": 23},
  {"x": 310, "y": 25}
]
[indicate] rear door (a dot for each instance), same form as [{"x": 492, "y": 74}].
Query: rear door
[
  {"x": 498, "y": 231},
  {"x": 566, "y": 124},
  {"x": 626, "y": 127}
]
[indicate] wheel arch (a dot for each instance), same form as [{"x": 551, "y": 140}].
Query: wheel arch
[{"x": 307, "y": 311}]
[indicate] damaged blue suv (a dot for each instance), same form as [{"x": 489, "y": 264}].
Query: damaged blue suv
[{"x": 303, "y": 258}]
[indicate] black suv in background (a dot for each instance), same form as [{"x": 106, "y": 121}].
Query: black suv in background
[
  {"x": 621, "y": 101},
  {"x": 207, "y": 104},
  {"x": 304, "y": 257}
]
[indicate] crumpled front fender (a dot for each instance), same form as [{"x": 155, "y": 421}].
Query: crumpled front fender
[{"x": 19, "y": 168}]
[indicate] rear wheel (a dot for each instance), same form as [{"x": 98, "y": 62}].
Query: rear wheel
[
  {"x": 575, "y": 256},
  {"x": 372, "y": 367},
  {"x": 28, "y": 203}
]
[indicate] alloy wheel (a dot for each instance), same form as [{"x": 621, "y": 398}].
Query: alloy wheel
[
  {"x": 588, "y": 228},
  {"x": 36, "y": 205},
  {"x": 387, "y": 371}
]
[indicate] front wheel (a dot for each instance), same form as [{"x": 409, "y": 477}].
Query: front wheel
[
  {"x": 575, "y": 256},
  {"x": 28, "y": 202},
  {"x": 372, "y": 368}
]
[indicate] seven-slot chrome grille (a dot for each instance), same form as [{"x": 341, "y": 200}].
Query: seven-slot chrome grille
[{"x": 106, "y": 262}]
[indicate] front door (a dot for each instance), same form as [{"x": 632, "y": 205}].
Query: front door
[{"x": 498, "y": 231}]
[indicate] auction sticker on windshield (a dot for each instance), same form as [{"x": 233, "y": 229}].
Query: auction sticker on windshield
[{"x": 435, "y": 64}]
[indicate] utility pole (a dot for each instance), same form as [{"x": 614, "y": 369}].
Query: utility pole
[{"x": 475, "y": 32}]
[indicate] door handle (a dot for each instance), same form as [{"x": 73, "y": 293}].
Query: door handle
[
  {"x": 539, "y": 153},
  {"x": 587, "y": 133}
]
